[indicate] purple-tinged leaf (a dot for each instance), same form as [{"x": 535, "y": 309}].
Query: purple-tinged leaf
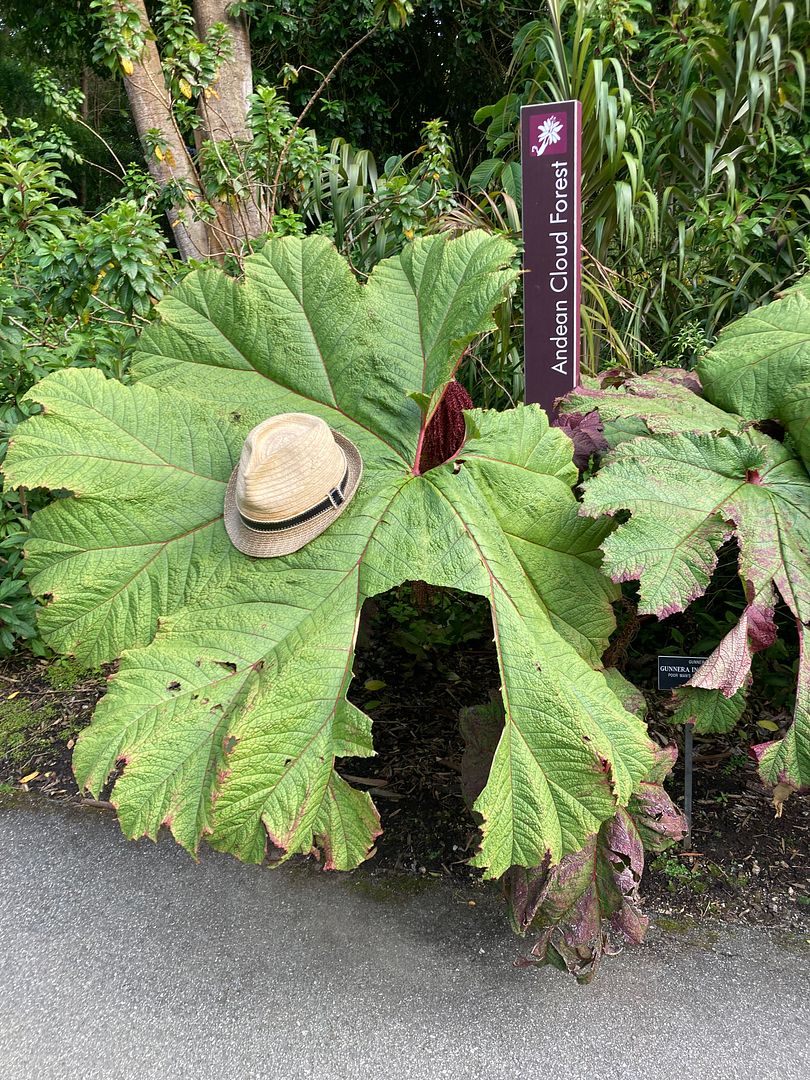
[
  {"x": 686, "y": 495},
  {"x": 664, "y": 401},
  {"x": 729, "y": 666},
  {"x": 586, "y": 432},
  {"x": 664, "y": 760},
  {"x": 588, "y": 906},
  {"x": 659, "y": 821}
]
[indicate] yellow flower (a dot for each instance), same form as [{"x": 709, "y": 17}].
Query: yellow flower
[{"x": 101, "y": 276}]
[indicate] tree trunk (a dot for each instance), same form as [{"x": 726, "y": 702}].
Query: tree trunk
[
  {"x": 223, "y": 110},
  {"x": 151, "y": 106}
]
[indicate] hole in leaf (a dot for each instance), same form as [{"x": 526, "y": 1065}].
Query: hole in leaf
[
  {"x": 772, "y": 428},
  {"x": 109, "y": 783},
  {"x": 433, "y": 648}
]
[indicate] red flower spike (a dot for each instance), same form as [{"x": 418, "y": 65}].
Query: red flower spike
[{"x": 445, "y": 432}]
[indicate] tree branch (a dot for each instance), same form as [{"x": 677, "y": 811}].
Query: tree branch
[{"x": 286, "y": 148}]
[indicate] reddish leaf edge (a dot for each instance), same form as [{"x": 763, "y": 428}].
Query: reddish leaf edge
[{"x": 588, "y": 905}]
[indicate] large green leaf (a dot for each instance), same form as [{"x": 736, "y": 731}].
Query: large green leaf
[
  {"x": 760, "y": 367},
  {"x": 758, "y": 356},
  {"x": 229, "y": 709},
  {"x": 687, "y": 494},
  {"x": 132, "y": 452}
]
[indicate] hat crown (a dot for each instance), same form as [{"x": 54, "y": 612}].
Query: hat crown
[{"x": 289, "y": 464}]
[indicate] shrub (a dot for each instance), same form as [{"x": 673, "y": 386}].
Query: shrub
[{"x": 73, "y": 289}]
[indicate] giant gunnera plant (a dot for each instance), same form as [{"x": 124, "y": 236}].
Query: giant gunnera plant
[
  {"x": 227, "y": 718},
  {"x": 702, "y": 457}
]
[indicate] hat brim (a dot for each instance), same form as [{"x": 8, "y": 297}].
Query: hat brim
[{"x": 266, "y": 545}]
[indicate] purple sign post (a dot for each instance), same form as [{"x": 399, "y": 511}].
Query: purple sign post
[{"x": 551, "y": 140}]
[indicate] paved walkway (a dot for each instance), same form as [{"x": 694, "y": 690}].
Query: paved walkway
[{"x": 121, "y": 960}]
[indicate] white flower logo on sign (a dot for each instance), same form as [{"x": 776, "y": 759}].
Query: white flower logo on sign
[{"x": 548, "y": 134}]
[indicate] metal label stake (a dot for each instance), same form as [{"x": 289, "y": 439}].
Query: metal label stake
[
  {"x": 675, "y": 671},
  {"x": 687, "y": 783}
]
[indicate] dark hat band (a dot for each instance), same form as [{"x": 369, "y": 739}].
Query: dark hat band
[{"x": 333, "y": 500}]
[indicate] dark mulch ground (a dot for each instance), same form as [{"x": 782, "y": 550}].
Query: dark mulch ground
[
  {"x": 43, "y": 707},
  {"x": 745, "y": 864},
  {"x": 748, "y": 864}
]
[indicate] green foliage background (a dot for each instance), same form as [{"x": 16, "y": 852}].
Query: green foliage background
[{"x": 697, "y": 151}]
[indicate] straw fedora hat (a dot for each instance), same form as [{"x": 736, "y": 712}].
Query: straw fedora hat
[{"x": 294, "y": 478}]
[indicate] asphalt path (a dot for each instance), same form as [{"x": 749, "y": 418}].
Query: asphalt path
[{"x": 124, "y": 960}]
